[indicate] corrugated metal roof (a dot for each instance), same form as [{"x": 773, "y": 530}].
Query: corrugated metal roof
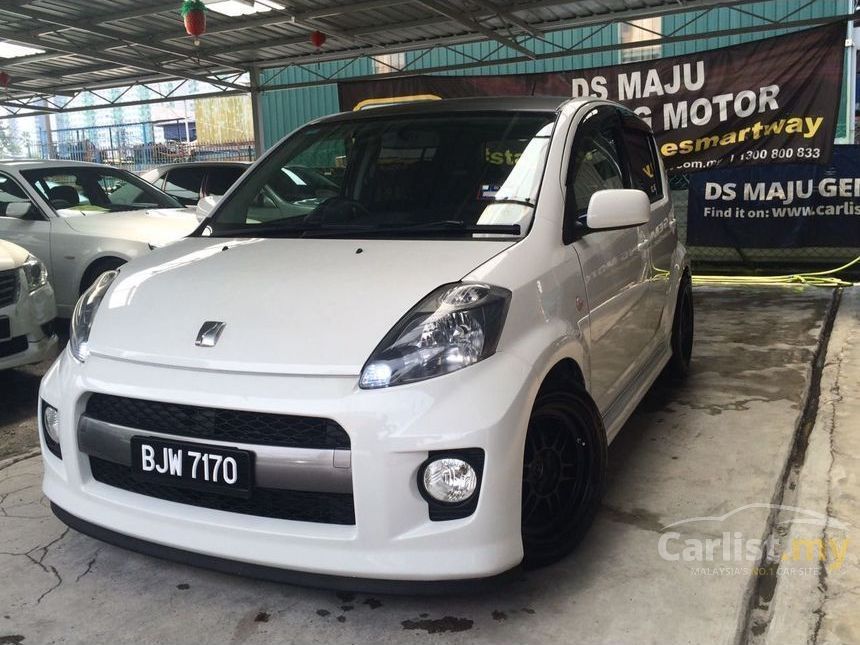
[{"x": 93, "y": 44}]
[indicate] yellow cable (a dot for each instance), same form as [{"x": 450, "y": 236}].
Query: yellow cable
[{"x": 812, "y": 278}]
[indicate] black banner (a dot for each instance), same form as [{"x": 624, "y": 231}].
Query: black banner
[
  {"x": 785, "y": 206},
  {"x": 774, "y": 100}
]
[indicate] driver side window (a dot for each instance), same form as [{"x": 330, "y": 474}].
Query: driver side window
[{"x": 595, "y": 164}]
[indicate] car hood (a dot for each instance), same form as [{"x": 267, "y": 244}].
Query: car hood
[
  {"x": 156, "y": 226},
  {"x": 291, "y": 306},
  {"x": 11, "y": 256}
]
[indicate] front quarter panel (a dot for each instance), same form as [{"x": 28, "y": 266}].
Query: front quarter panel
[
  {"x": 75, "y": 252},
  {"x": 547, "y": 321}
]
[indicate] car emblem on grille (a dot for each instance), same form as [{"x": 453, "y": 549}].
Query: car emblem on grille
[{"x": 209, "y": 333}]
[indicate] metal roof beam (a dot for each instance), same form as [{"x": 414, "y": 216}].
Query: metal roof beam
[
  {"x": 23, "y": 106},
  {"x": 474, "y": 25},
  {"x": 486, "y": 5},
  {"x": 41, "y": 43},
  {"x": 270, "y": 19},
  {"x": 38, "y": 110},
  {"x": 476, "y": 63},
  {"x": 568, "y": 52},
  {"x": 691, "y": 5},
  {"x": 19, "y": 8},
  {"x": 142, "y": 9},
  {"x": 168, "y": 67}
]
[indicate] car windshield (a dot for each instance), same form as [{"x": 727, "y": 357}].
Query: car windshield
[
  {"x": 458, "y": 174},
  {"x": 94, "y": 189}
]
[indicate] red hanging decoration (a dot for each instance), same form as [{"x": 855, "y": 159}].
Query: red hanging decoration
[
  {"x": 194, "y": 14},
  {"x": 4, "y": 80},
  {"x": 317, "y": 39}
]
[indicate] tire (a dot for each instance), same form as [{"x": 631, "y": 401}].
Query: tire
[
  {"x": 678, "y": 367},
  {"x": 96, "y": 269},
  {"x": 564, "y": 473}
]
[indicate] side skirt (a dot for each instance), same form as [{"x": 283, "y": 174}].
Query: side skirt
[{"x": 630, "y": 397}]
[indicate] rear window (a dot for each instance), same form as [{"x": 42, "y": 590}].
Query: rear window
[
  {"x": 185, "y": 183},
  {"x": 221, "y": 178}
]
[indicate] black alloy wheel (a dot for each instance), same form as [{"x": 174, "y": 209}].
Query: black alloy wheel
[
  {"x": 682, "y": 332},
  {"x": 564, "y": 468}
]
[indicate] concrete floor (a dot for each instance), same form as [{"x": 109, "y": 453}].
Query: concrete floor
[
  {"x": 19, "y": 390},
  {"x": 719, "y": 443}
]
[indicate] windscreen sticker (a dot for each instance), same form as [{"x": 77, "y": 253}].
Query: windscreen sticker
[{"x": 488, "y": 191}]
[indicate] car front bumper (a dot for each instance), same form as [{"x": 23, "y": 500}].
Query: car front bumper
[
  {"x": 31, "y": 338},
  {"x": 391, "y": 432}
]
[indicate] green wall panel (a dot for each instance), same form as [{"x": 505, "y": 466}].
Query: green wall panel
[{"x": 286, "y": 110}]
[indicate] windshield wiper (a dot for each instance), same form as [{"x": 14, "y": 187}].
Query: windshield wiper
[
  {"x": 519, "y": 202},
  {"x": 253, "y": 230},
  {"x": 443, "y": 227}
]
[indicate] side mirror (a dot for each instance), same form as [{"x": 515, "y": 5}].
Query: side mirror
[
  {"x": 206, "y": 205},
  {"x": 618, "y": 208},
  {"x": 19, "y": 210}
]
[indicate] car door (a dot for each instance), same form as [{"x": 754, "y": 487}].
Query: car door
[
  {"x": 29, "y": 227},
  {"x": 614, "y": 262},
  {"x": 646, "y": 174}
]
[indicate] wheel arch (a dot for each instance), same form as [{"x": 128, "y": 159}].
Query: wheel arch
[
  {"x": 106, "y": 258},
  {"x": 563, "y": 375}
]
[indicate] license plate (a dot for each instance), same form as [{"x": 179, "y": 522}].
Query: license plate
[
  {"x": 5, "y": 328},
  {"x": 189, "y": 465}
]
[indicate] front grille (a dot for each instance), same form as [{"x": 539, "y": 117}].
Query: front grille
[
  {"x": 8, "y": 287},
  {"x": 302, "y": 506},
  {"x": 14, "y": 346},
  {"x": 218, "y": 424}
]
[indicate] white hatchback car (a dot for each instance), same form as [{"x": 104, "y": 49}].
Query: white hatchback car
[
  {"x": 27, "y": 309},
  {"x": 408, "y": 384},
  {"x": 82, "y": 219}
]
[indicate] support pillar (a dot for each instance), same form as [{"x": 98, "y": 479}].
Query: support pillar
[{"x": 257, "y": 112}]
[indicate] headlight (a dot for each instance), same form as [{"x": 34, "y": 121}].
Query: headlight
[
  {"x": 454, "y": 327},
  {"x": 85, "y": 311},
  {"x": 35, "y": 272}
]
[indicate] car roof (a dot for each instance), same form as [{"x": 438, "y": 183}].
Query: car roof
[
  {"x": 200, "y": 164},
  {"x": 30, "y": 164},
  {"x": 546, "y": 104}
]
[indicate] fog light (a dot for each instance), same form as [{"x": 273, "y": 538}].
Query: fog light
[
  {"x": 51, "y": 429},
  {"x": 52, "y": 423},
  {"x": 449, "y": 480}
]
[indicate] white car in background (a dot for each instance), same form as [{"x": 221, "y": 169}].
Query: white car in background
[
  {"x": 201, "y": 184},
  {"x": 409, "y": 383},
  {"x": 82, "y": 219},
  {"x": 27, "y": 309},
  {"x": 191, "y": 181}
]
